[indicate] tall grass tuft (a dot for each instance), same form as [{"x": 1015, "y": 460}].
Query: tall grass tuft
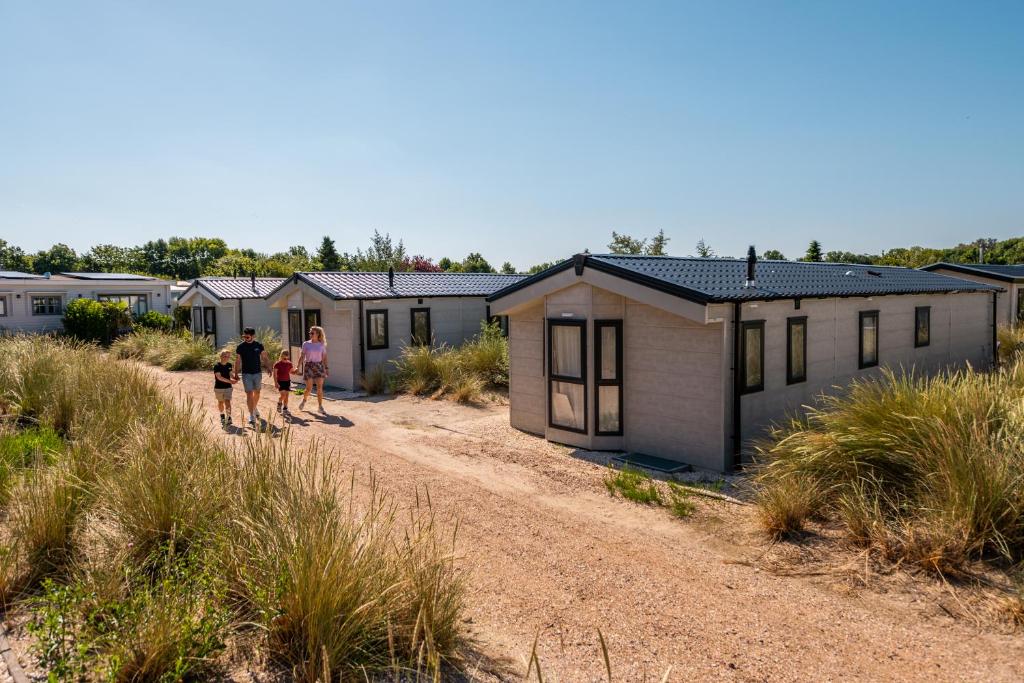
[
  {"x": 169, "y": 350},
  {"x": 150, "y": 544},
  {"x": 460, "y": 373},
  {"x": 929, "y": 471},
  {"x": 267, "y": 336}
]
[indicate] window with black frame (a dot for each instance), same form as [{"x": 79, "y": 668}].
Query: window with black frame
[
  {"x": 796, "y": 350},
  {"x": 47, "y": 305},
  {"x": 567, "y": 375},
  {"x": 868, "y": 339},
  {"x": 608, "y": 376},
  {"x": 420, "y": 326},
  {"x": 922, "y": 326},
  {"x": 1020, "y": 304},
  {"x": 377, "y": 329},
  {"x": 752, "y": 356},
  {"x": 3, "y": 306}
]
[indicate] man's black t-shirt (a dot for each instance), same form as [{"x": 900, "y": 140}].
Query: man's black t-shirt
[
  {"x": 218, "y": 370},
  {"x": 250, "y": 353}
]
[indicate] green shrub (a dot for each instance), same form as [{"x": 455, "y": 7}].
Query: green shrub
[
  {"x": 182, "y": 317},
  {"x": 154, "y": 320},
  {"x": 95, "y": 321},
  {"x": 680, "y": 500},
  {"x": 929, "y": 471},
  {"x": 20, "y": 449},
  {"x": 632, "y": 484}
]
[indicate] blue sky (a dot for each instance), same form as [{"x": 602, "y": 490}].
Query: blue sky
[{"x": 523, "y": 130}]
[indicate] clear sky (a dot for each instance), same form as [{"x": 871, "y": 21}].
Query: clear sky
[{"x": 523, "y": 130}]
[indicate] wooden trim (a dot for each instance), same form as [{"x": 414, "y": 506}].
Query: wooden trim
[
  {"x": 581, "y": 380},
  {"x": 860, "y": 339},
  {"x": 744, "y": 326},
  {"x": 601, "y": 381},
  {"x": 790, "y": 323},
  {"x": 370, "y": 312}
]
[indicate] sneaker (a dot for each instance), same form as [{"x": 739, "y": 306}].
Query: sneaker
[
  {"x": 223, "y": 420},
  {"x": 252, "y": 420},
  {"x": 322, "y": 411},
  {"x": 280, "y": 407},
  {"x": 229, "y": 422}
]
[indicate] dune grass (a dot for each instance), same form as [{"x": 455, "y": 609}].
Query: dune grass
[
  {"x": 180, "y": 351},
  {"x": 928, "y": 471},
  {"x": 460, "y": 373},
  {"x": 142, "y": 548}
]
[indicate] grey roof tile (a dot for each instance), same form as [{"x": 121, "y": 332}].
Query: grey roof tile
[
  {"x": 239, "y": 287},
  {"x": 724, "y": 279},
  {"x": 1013, "y": 272},
  {"x": 359, "y": 285}
]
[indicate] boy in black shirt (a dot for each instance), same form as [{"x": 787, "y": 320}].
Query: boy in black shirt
[{"x": 222, "y": 385}]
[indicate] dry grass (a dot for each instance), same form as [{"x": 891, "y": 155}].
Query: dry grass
[
  {"x": 169, "y": 350},
  {"x": 929, "y": 472},
  {"x": 149, "y": 544},
  {"x": 460, "y": 373}
]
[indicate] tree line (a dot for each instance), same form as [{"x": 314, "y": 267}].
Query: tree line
[{"x": 185, "y": 258}]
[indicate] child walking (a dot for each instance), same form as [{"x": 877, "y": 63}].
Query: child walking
[
  {"x": 283, "y": 375},
  {"x": 222, "y": 385}
]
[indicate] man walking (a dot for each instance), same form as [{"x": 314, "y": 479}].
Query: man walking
[{"x": 250, "y": 359}]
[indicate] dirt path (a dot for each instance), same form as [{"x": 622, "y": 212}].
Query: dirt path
[{"x": 548, "y": 551}]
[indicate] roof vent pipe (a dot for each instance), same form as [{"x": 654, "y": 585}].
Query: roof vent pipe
[
  {"x": 751, "y": 265},
  {"x": 252, "y": 277},
  {"x": 391, "y": 277}
]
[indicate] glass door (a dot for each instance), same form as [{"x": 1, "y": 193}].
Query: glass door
[
  {"x": 567, "y": 375},
  {"x": 295, "y": 335},
  {"x": 608, "y": 377}
]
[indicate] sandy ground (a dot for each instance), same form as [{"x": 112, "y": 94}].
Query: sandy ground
[{"x": 548, "y": 554}]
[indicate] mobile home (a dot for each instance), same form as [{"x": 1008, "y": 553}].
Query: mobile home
[
  {"x": 1010, "y": 277},
  {"x": 35, "y": 303},
  {"x": 369, "y": 318},
  {"x": 689, "y": 359},
  {"x": 222, "y": 306}
]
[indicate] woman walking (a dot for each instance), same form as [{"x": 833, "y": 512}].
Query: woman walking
[{"x": 313, "y": 366}]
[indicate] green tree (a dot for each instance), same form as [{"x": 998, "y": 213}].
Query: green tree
[
  {"x": 154, "y": 254},
  {"x": 475, "y": 263},
  {"x": 14, "y": 258},
  {"x": 110, "y": 258},
  {"x": 703, "y": 250},
  {"x": 813, "y": 251},
  {"x": 60, "y": 258},
  {"x": 624, "y": 244},
  {"x": 327, "y": 255},
  {"x": 382, "y": 254},
  {"x": 445, "y": 264},
  {"x": 507, "y": 268},
  {"x": 773, "y": 255},
  {"x": 658, "y": 245},
  {"x": 849, "y": 257},
  {"x": 539, "y": 267},
  {"x": 189, "y": 257}
]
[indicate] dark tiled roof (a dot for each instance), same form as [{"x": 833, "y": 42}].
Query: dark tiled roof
[
  {"x": 239, "y": 287},
  {"x": 709, "y": 280},
  {"x": 1001, "y": 272},
  {"x": 346, "y": 285},
  {"x": 107, "y": 276}
]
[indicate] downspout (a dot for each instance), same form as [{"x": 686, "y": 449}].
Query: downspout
[
  {"x": 362, "y": 335},
  {"x": 241, "y": 325},
  {"x": 737, "y": 424},
  {"x": 995, "y": 330}
]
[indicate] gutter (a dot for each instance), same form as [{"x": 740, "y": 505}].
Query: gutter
[
  {"x": 995, "y": 330},
  {"x": 240, "y": 324},
  {"x": 737, "y": 396},
  {"x": 362, "y": 337}
]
